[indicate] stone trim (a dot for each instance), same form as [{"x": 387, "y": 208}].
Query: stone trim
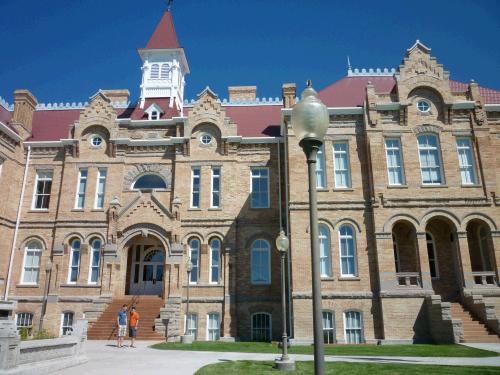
[
  {"x": 427, "y": 129},
  {"x": 142, "y": 169},
  {"x": 333, "y": 295}
]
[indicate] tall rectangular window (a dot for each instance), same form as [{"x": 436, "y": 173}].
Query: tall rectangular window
[
  {"x": 213, "y": 327},
  {"x": 214, "y": 260},
  {"x": 394, "y": 161},
  {"x": 215, "y": 203},
  {"x": 341, "y": 165},
  {"x": 353, "y": 327},
  {"x": 81, "y": 188},
  {"x": 466, "y": 161},
  {"x": 67, "y": 323},
  {"x": 43, "y": 185},
  {"x": 101, "y": 188},
  {"x": 328, "y": 327},
  {"x": 430, "y": 159},
  {"x": 195, "y": 187},
  {"x": 320, "y": 168},
  {"x": 194, "y": 255},
  {"x": 259, "y": 188},
  {"x": 192, "y": 325}
]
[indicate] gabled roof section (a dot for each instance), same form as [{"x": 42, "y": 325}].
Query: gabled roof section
[
  {"x": 164, "y": 36},
  {"x": 154, "y": 107},
  {"x": 418, "y": 44}
]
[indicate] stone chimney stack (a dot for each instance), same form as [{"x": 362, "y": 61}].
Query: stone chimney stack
[
  {"x": 242, "y": 93},
  {"x": 24, "y": 108},
  {"x": 288, "y": 92}
]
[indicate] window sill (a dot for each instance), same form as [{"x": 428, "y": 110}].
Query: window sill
[
  {"x": 77, "y": 210},
  {"x": 194, "y": 209},
  {"x": 80, "y": 286},
  {"x": 27, "y": 286},
  {"x": 470, "y": 186},
  {"x": 37, "y": 210},
  {"x": 97, "y": 210},
  {"x": 433, "y": 186},
  {"x": 322, "y": 189},
  {"x": 203, "y": 285},
  {"x": 215, "y": 209},
  {"x": 343, "y": 189},
  {"x": 349, "y": 278},
  {"x": 327, "y": 278},
  {"x": 397, "y": 186}
]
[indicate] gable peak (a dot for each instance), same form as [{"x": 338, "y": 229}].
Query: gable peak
[{"x": 418, "y": 45}]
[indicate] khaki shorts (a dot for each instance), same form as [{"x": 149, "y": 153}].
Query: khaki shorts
[{"x": 122, "y": 330}]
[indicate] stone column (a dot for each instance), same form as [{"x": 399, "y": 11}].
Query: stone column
[
  {"x": 423, "y": 259},
  {"x": 463, "y": 250},
  {"x": 385, "y": 258},
  {"x": 9, "y": 345},
  {"x": 226, "y": 305}
]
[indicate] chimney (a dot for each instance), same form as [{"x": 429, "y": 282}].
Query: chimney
[
  {"x": 288, "y": 92},
  {"x": 24, "y": 107},
  {"x": 242, "y": 93},
  {"x": 117, "y": 96}
]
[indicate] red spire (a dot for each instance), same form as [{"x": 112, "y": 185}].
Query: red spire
[{"x": 164, "y": 36}]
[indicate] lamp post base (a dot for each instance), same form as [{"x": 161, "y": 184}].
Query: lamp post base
[
  {"x": 187, "y": 339},
  {"x": 285, "y": 365}
]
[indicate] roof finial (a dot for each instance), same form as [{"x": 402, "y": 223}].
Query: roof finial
[{"x": 169, "y": 5}]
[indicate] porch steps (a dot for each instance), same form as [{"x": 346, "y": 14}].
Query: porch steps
[
  {"x": 474, "y": 330},
  {"x": 148, "y": 307}
]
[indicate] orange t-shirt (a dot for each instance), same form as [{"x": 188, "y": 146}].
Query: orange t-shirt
[{"x": 134, "y": 317}]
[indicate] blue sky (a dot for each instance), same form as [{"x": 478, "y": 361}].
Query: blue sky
[{"x": 65, "y": 51}]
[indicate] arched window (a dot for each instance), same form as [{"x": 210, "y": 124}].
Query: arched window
[
  {"x": 95, "y": 260},
  {"x": 347, "y": 246},
  {"x": 213, "y": 327},
  {"x": 328, "y": 327},
  {"x": 74, "y": 262},
  {"x": 325, "y": 251},
  {"x": 430, "y": 159},
  {"x": 261, "y": 327},
  {"x": 261, "y": 262},
  {"x": 155, "y": 69},
  {"x": 214, "y": 261},
  {"x": 194, "y": 254},
  {"x": 353, "y": 325},
  {"x": 165, "y": 71},
  {"x": 431, "y": 253},
  {"x": 148, "y": 182},
  {"x": 67, "y": 323},
  {"x": 31, "y": 267}
]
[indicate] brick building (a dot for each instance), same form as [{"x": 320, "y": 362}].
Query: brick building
[{"x": 105, "y": 201}]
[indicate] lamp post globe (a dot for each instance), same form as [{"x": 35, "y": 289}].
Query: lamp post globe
[{"x": 282, "y": 242}]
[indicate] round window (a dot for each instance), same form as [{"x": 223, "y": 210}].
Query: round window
[
  {"x": 96, "y": 141},
  {"x": 423, "y": 106},
  {"x": 206, "y": 139}
]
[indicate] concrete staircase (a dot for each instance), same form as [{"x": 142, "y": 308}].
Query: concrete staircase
[
  {"x": 148, "y": 308},
  {"x": 474, "y": 330}
]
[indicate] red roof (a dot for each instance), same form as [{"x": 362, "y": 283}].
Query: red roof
[
  {"x": 137, "y": 113},
  {"x": 5, "y": 115},
  {"x": 256, "y": 121},
  {"x": 53, "y": 125},
  {"x": 164, "y": 36}
]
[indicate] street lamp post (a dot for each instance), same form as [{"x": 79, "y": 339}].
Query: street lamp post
[
  {"x": 285, "y": 363},
  {"x": 186, "y": 338},
  {"x": 310, "y": 121},
  {"x": 48, "y": 268}
]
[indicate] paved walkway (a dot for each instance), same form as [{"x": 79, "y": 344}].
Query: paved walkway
[{"x": 105, "y": 358}]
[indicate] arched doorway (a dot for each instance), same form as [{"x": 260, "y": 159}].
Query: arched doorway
[
  {"x": 481, "y": 252},
  {"x": 441, "y": 244},
  {"x": 406, "y": 259}
]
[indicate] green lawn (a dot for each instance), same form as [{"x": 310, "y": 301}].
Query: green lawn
[
  {"x": 343, "y": 368},
  {"x": 362, "y": 350}
]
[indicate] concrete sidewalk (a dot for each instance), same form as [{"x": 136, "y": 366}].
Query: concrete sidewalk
[{"x": 105, "y": 358}]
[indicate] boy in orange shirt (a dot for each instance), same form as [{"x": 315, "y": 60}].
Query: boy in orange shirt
[{"x": 133, "y": 324}]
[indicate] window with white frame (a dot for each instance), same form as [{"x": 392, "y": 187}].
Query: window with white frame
[
  {"x": 261, "y": 327},
  {"x": 430, "y": 159},
  {"x": 395, "y": 169},
  {"x": 43, "y": 185},
  {"x": 341, "y": 165},
  {"x": 215, "y": 203},
  {"x": 213, "y": 327},
  {"x": 194, "y": 254},
  {"x": 154, "y": 115},
  {"x": 259, "y": 188},
  {"x": 81, "y": 188},
  {"x": 215, "y": 261},
  {"x": 195, "y": 187},
  {"x": 431, "y": 253},
  {"x": 101, "y": 188},
  {"x": 328, "y": 327},
  {"x": 192, "y": 325},
  {"x": 24, "y": 321},
  {"x": 466, "y": 161},
  {"x": 347, "y": 246},
  {"x": 320, "y": 168},
  {"x": 32, "y": 258},
  {"x": 165, "y": 71},
  {"x": 325, "y": 254},
  {"x": 155, "y": 71},
  {"x": 261, "y": 262},
  {"x": 67, "y": 323},
  {"x": 396, "y": 253},
  {"x": 353, "y": 324},
  {"x": 95, "y": 260},
  {"x": 74, "y": 261}
]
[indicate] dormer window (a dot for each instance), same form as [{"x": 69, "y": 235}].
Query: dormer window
[
  {"x": 155, "y": 71},
  {"x": 154, "y": 115}
]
